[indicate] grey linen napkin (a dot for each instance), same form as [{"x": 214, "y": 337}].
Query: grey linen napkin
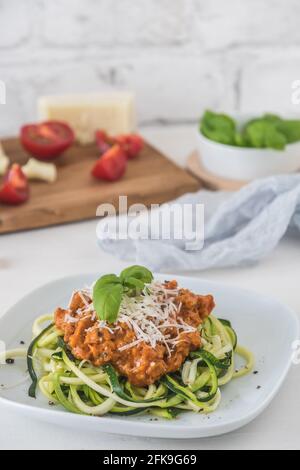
[{"x": 240, "y": 228}]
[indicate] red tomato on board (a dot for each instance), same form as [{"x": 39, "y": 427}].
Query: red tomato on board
[
  {"x": 111, "y": 166},
  {"x": 103, "y": 141},
  {"x": 15, "y": 188},
  {"x": 48, "y": 140},
  {"x": 132, "y": 144}
]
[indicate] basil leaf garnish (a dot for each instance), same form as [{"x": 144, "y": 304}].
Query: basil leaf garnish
[
  {"x": 109, "y": 290},
  {"x": 137, "y": 272},
  {"x": 106, "y": 280},
  {"x": 107, "y": 301}
]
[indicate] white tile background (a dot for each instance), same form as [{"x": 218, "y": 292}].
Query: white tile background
[{"x": 180, "y": 56}]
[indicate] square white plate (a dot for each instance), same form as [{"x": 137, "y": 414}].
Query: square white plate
[{"x": 263, "y": 325}]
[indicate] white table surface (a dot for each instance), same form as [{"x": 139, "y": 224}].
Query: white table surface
[{"x": 30, "y": 259}]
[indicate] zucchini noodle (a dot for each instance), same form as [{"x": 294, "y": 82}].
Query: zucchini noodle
[{"x": 82, "y": 388}]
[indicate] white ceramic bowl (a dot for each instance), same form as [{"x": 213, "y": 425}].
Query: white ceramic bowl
[{"x": 242, "y": 163}]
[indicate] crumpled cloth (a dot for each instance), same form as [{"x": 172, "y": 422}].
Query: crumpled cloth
[{"x": 240, "y": 228}]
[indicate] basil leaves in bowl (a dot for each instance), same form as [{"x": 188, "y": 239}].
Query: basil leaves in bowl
[{"x": 245, "y": 148}]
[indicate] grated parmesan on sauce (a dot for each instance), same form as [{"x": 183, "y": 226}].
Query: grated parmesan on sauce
[{"x": 150, "y": 316}]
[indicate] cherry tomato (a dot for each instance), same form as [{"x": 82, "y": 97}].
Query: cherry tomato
[
  {"x": 112, "y": 165},
  {"x": 132, "y": 144},
  {"x": 48, "y": 140},
  {"x": 103, "y": 141},
  {"x": 15, "y": 188}
]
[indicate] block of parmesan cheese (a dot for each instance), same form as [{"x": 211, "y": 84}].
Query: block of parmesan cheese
[{"x": 113, "y": 112}]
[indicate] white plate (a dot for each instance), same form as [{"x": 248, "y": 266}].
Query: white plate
[{"x": 264, "y": 325}]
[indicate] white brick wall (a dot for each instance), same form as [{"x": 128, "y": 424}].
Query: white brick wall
[
  {"x": 180, "y": 56},
  {"x": 16, "y": 11}
]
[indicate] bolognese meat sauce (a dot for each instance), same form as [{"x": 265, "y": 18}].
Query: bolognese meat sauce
[{"x": 152, "y": 340}]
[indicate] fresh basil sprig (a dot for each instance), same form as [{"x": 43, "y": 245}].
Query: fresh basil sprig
[
  {"x": 267, "y": 131},
  {"x": 109, "y": 290}
]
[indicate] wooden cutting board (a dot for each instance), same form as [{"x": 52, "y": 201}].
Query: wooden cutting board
[{"x": 75, "y": 196}]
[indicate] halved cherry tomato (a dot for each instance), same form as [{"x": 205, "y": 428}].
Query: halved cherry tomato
[
  {"x": 132, "y": 144},
  {"x": 15, "y": 188},
  {"x": 112, "y": 165},
  {"x": 103, "y": 141},
  {"x": 48, "y": 140}
]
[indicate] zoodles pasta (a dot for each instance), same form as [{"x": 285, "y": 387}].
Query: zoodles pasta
[{"x": 163, "y": 353}]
